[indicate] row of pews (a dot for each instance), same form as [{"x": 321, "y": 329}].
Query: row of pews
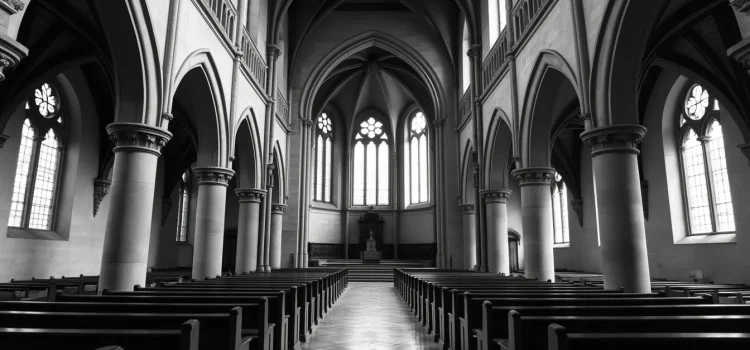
[
  {"x": 254, "y": 311},
  {"x": 481, "y": 311}
]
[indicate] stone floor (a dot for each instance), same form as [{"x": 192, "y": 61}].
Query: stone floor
[{"x": 386, "y": 323}]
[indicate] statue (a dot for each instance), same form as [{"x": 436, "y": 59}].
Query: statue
[{"x": 371, "y": 245}]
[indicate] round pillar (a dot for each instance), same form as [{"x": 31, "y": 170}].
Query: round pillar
[
  {"x": 498, "y": 252},
  {"x": 126, "y": 236},
  {"x": 209, "y": 220},
  {"x": 277, "y": 216},
  {"x": 247, "y": 229},
  {"x": 614, "y": 150},
  {"x": 470, "y": 237},
  {"x": 536, "y": 207}
]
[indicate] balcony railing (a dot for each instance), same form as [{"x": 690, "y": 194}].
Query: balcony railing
[
  {"x": 525, "y": 13},
  {"x": 464, "y": 105},
  {"x": 225, "y": 15},
  {"x": 282, "y": 107},
  {"x": 495, "y": 60},
  {"x": 252, "y": 60}
]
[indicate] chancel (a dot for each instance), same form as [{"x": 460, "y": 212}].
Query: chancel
[{"x": 374, "y": 174}]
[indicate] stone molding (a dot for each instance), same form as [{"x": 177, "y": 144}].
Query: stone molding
[
  {"x": 536, "y": 176},
  {"x": 373, "y": 67},
  {"x": 467, "y": 208},
  {"x": 577, "y": 205},
  {"x": 438, "y": 123},
  {"x": 495, "y": 196},
  {"x": 12, "y": 6},
  {"x": 136, "y": 137},
  {"x": 740, "y": 5},
  {"x": 740, "y": 52},
  {"x": 614, "y": 139},
  {"x": 101, "y": 187},
  {"x": 307, "y": 122},
  {"x": 211, "y": 175},
  {"x": 3, "y": 138},
  {"x": 250, "y": 195},
  {"x": 167, "y": 116},
  {"x": 278, "y": 209},
  {"x": 745, "y": 149}
]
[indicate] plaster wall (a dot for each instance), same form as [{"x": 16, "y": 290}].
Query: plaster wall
[{"x": 325, "y": 226}]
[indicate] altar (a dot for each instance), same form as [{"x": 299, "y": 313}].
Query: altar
[{"x": 371, "y": 237}]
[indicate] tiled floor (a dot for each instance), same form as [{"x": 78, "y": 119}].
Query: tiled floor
[{"x": 370, "y": 316}]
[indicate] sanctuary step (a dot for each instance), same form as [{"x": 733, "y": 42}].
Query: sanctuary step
[{"x": 382, "y": 272}]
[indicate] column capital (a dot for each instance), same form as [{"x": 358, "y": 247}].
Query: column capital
[
  {"x": 614, "y": 139},
  {"x": 3, "y": 138},
  {"x": 277, "y": 208},
  {"x": 495, "y": 196},
  {"x": 101, "y": 187},
  {"x": 136, "y": 137},
  {"x": 274, "y": 51},
  {"x": 744, "y": 148},
  {"x": 474, "y": 50},
  {"x": 250, "y": 195},
  {"x": 537, "y": 176},
  {"x": 467, "y": 208},
  {"x": 306, "y": 122},
  {"x": 438, "y": 123},
  {"x": 213, "y": 175}
]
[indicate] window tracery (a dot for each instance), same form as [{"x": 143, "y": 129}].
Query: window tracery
[
  {"x": 704, "y": 170},
  {"x": 371, "y": 164},
  {"x": 417, "y": 162},
  {"x": 323, "y": 159},
  {"x": 184, "y": 205},
  {"x": 560, "y": 210},
  {"x": 38, "y": 165}
]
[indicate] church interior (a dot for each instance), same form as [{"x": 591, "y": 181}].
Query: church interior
[{"x": 374, "y": 174}]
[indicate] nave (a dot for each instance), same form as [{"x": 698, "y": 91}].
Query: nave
[{"x": 370, "y": 316}]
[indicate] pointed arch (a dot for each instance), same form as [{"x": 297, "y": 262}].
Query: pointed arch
[
  {"x": 211, "y": 121},
  {"x": 499, "y": 146},
  {"x": 551, "y": 78},
  {"x": 280, "y": 189},
  {"x": 247, "y": 151},
  {"x": 465, "y": 177}
]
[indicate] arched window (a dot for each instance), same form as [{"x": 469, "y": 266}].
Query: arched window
[
  {"x": 371, "y": 164},
  {"x": 416, "y": 161},
  {"x": 465, "y": 64},
  {"x": 184, "y": 205},
  {"x": 323, "y": 159},
  {"x": 496, "y": 19},
  {"x": 39, "y": 158},
  {"x": 704, "y": 167},
  {"x": 560, "y": 210}
]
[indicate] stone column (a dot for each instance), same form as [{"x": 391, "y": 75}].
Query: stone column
[
  {"x": 209, "y": 220},
  {"x": 614, "y": 150},
  {"x": 536, "y": 207},
  {"x": 498, "y": 252},
  {"x": 247, "y": 229},
  {"x": 277, "y": 216},
  {"x": 470, "y": 237},
  {"x": 126, "y": 236}
]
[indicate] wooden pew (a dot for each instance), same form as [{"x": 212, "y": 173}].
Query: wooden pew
[
  {"x": 530, "y": 332},
  {"x": 217, "y": 330},
  {"x": 561, "y": 339},
  {"x": 496, "y": 323},
  {"x": 276, "y": 302},
  {"x": 183, "y": 338},
  {"x": 464, "y": 322},
  {"x": 254, "y": 320}
]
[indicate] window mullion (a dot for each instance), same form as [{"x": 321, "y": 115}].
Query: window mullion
[
  {"x": 709, "y": 182},
  {"x": 31, "y": 181}
]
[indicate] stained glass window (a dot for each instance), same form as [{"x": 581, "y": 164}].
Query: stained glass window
[
  {"x": 560, "y": 210},
  {"x": 323, "y": 159},
  {"x": 371, "y": 164},
  {"x": 38, "y": 165},
  {"x": 704, "y": 169},
  {"x": 417, "y": 168},
  {"x": 182, "y": 210}
]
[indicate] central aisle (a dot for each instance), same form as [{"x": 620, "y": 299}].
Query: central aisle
[{"x": 370, "y": 316}]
